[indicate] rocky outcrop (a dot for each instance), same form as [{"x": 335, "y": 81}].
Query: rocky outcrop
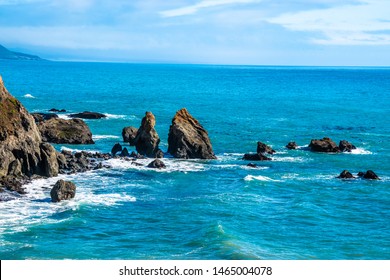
[
  {"x": 129, "y": 134},
  {"x": 57, "y": 110},
  {"x": 345, "y": 146},
  {"x": 188, "y": 139},
  {"x": 70, "y": 163},
  {"x": 63, "y": 190},
  {"x": 156, "y": 164},
  {"x": 116, "y": 149},
  {"x": 292, "y": 146},
  {"x": 21, "y": 149},
  {"x": 255, "y": 157},
  {"x": 345, "y": 175},
  {"x": 147, "y": 139},
  {"x": 60, "y": 131},
  {"x": 369, "y": 175},
  {"x": 125, "y": 153},
  {"x": 324, "y": 145},
  {"x": 88, "y": 115},
  {"x": 264, "y": 149}
]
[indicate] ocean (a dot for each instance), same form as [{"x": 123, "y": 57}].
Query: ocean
[{"x": 289, "y": 208}]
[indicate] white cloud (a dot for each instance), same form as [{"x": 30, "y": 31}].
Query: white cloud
[
  {"x": 188, "y": 10},
  {"x": 365, "y": 24}
]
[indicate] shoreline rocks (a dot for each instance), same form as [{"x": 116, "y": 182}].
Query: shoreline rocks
[{"x": 188, "y": 139}]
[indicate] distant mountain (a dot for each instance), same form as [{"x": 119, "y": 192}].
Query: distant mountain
[{"x": 7, "y": 54}]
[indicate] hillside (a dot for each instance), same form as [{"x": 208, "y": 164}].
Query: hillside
[{"x": 7, "y": 54}]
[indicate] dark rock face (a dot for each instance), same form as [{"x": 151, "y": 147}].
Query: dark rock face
[
  {"x": 324, "y": 145},
  {"x": 125, "y": 153},
  {"x": 63, "y": 190},
  {"x": 345, "y": 146},
  {"x": 129, "y": 133},
  {"x": 370, "y": 175},
  {"x": 21, "y": 152},
  {"x": 60, "y": 131},
  {"x": 345, "y": 175},
  {"x": 40, "y": 117},
  {"x": 88, "y": 115},
  {"x": 70, "y": 163},
  {"x": 264, "y": 149},
  {"x": 156, "y": 164},
  {"x": 252, "y": 165},
  {"x": 187, "y": 138},
  {"x": 57, "y": 110},
  {"x": 255, "y": 157},
  {"x": 159, "y": 154},
  {"x": 292, "y": 146},
  {"x": 116, "y": 149},
  {"x": 147, "y": 139}
]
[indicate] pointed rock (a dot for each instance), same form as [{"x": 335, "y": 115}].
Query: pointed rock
[
  {"x": 187, "y": 138},
  {"x": 263, "y": 148},
  {"x": 147, "y": 139}
]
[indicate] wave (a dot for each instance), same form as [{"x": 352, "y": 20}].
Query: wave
[
  {"x": 99, "y": 137},
  {"x": 121, "y": 117},
  {"x": 360, "y": 151},
  {"x": 28, "y": 96},
  {"x": 259, "y": 178},
  {"x": 290, "y": 159}
]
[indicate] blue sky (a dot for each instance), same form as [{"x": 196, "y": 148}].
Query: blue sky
[{"x": 262, "y": 32}]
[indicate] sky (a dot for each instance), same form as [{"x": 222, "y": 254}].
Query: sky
[{"x": 248, "y": 32}]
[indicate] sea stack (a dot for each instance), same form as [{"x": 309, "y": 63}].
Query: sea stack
[
  {"x": 188, "y": 139},
  {"x": 22, "y": 152},
  {"x": 147, "y": 140}
]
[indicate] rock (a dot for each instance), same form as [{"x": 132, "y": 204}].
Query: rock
[
  {"x": 187, "y": 138},
  {"x": 252, "y": 165},
  {"x": 125, "y": 153},
  {"x": 345, "y": 175},
  {"x": 14, "y": 184},
  {"x": 370, "y": 175},
  {"x": 60, "y": 131},
  {"x": 116, "y": 149},
  {"x": 40, "y": 117},
  {"x": 263, "y": 148},
  {"x": 136, "y": 163},
  {"x": 61, "y": 160},
  {"x": 88, "y": 115},
  {"x": 129, "y": 133},
  {"x": 63, "y": 190},
  {"x": 57, "y": 111},
  {"x": 20, "y": 141},
  {"x": 159, "y": 154},
  {"x": 345, "y": 146},
  {"x": 256, "y": 157},
  {"x": 156, "y": 164},
  {"x": 49, "y": 160},
  {"x": 136, "y": 155},
  {"x": 292, "y": 146},
  {"x": 324, "y": 145},
  {"x": 147, "y": 139}
]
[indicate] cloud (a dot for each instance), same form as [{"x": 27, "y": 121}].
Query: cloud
[
  {"x": 367, "y": 23},
  {"x": 192, "y": 9}
]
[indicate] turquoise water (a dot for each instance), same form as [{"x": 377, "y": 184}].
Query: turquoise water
[{"x": 289, "y": 208}]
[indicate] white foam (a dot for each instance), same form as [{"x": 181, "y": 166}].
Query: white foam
[
  {"x": 28, "y": 96},
  {"x": 99, "y": 137},
  {"x": 290, "y": 159},
  {"x": 64, "y": 117},
  {"x": 120, "y": 117},
  {"x": 78, "y": 150},
  {"x": 259, "y": 178},
  {"x": 360, "y": 151}
]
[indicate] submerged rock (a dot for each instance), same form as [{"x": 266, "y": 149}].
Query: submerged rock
[
  {"x": 88, "y": 115},
  {"x": 324, "y": 145},
  {"x": 60, "y": 131},
  {"x": 252, "y": 165},
  {"x": 292, "y": 146},
  {"x": 255, "y": 157},
  {"x": 264, "y": 149},
  {"x": 147, "y": 139},
  {"x": 156, "y": 164},
  {"x": 63, "y": 190},
  {"x": 129, "y": 134},
  {"x": 187, "y": 138},
  {"x": 345, "y": 174},
  {"x": 345, "y": 146}
]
